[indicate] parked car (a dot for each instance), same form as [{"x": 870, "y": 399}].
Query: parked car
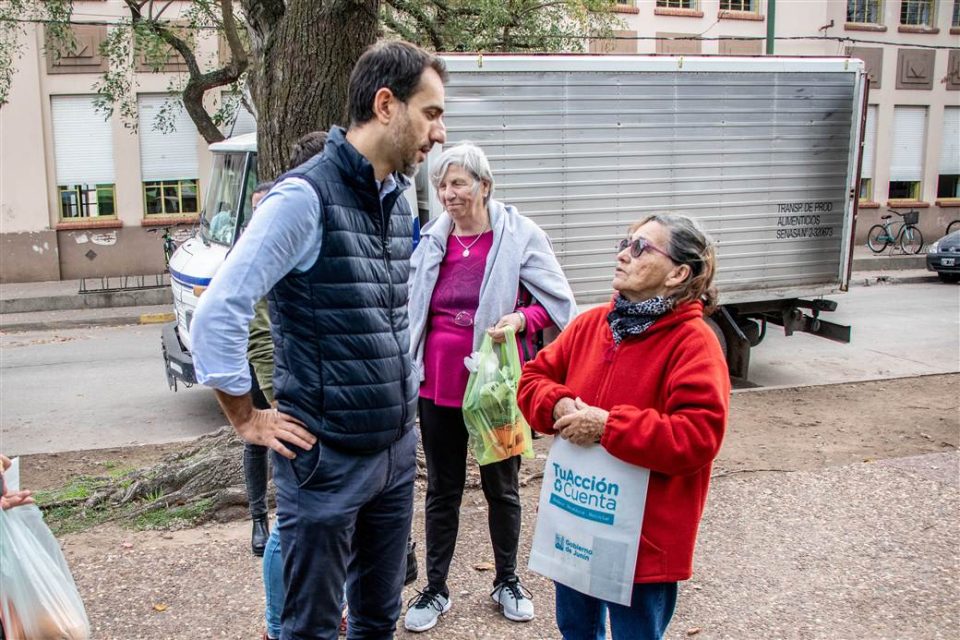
[{"x": 943, "y": 256}]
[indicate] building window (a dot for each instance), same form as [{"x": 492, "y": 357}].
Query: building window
[
  {"x": 918, "y": 13},
  {"x": 679, "y": 4},
  {"x": 739, "y": 5},
  {"x": 168, "y": 158},
  {"x": 955, "y": 20},
  {"x": 869, "y": 153},
  {"x": 904, "y": 190},
  {"x": 87, "y": 201},
  {"x": 170, "y": 197},
  {"x": 83, "y": 149},
  {"x": 906, "y": 159},
  {"x": 947, "y": 184},
  {"x": 865, "y": 11}
]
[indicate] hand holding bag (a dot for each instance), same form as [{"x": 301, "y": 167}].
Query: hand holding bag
[
  {"x": 38, "y": 597},
  {"x": 497, "y": 429},
  {"x": 588, "y": 524}
]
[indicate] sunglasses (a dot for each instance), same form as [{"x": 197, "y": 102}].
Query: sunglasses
[{"x": 639, "y": 245}]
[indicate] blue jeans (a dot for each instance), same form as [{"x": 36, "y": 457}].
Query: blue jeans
[
  {"x": 273, "y": 583},
  {"x": 334, "y": 508},
  {"x": 583, "y": 617}
]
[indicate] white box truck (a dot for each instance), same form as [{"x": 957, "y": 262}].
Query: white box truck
[{"x": 764, "y": 152}]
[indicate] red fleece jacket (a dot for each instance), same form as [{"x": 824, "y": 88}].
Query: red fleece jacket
[{"x": 667, "y": 391}]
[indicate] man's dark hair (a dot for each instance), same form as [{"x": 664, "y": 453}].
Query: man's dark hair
[
  {"x": 391, "y": 64},
  {"x": 263, "y": 187},
  {"x": 306, "y": 147}
]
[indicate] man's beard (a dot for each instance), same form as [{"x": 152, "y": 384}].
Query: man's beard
[
  {"x": 403, "y": 142},
  {"x": 410, "y": 170}
]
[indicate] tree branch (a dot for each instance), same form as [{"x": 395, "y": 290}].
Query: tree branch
[
  {"x": 423, "y": 20},
  {"x": 399, "y": 28},
  {"x": 162, "y": 9},
  {"x": 238, "y": 55},
  {"x": 198, "y": 83},
  {"x": 539, "y": 6}
]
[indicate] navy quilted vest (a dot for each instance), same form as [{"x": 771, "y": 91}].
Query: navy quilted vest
[{"x": 340, "y": 330}]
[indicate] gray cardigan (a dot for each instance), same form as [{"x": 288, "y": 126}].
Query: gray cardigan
[{"x": 521, "y": 252}]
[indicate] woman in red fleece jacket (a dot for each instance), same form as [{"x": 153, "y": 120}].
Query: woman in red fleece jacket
[{"x": 645, "y": 377}]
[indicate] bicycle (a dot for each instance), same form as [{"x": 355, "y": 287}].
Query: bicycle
[
  {"x": 908, "y": 236},
  {"x": 953, "y": 226},
  {"x": 169, "y": 244}
]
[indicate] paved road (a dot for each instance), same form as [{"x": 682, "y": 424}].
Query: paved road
[
  {"x": 94, "y": 388},
  {"x": 898, "y": 330},
  {"x": 104, "y": 387}
]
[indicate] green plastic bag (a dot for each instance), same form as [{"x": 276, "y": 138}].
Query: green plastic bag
[{"x": 497, "y": 429}]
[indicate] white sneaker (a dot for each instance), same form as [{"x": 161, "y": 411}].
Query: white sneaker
[
  {"x": 514, "y": 600},
  {"x": 424, "y": 610}
]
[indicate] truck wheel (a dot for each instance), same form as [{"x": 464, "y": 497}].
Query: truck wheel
[
  {"x": 877, "y": 238},
  {"x": 911, "y": 240}
]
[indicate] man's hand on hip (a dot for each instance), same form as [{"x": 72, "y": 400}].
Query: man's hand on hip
[{"x": 268, "y": 427}]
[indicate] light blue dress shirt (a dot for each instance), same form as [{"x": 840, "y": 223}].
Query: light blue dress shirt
[{"x": 283, "y": 236}]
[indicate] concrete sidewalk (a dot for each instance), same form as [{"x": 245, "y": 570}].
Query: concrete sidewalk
[{"x": 38, "y": 306}]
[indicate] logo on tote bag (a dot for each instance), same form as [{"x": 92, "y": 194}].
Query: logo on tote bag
[{"x": 584, "y": 496}]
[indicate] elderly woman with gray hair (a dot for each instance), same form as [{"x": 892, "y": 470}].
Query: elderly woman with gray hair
[
  {"x": 643, "y": 377},
  {"x": 480, "y": 267}
]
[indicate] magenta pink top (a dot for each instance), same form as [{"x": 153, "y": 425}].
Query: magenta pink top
[{"x": 453, "y": 304}]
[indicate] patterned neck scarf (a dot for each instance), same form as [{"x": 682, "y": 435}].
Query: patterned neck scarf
[{"x": 633, "y": 318}]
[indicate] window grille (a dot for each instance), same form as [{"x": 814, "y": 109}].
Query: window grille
[
  {"x": 865, "y": 11},
  {"x": 917, "y": 12}
]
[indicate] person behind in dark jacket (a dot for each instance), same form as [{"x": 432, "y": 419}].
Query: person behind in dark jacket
[
  {"x": 331, "y": 244},
  {"x": 645, "y": 378}
]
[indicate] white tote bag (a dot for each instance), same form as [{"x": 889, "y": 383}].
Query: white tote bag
[{"x": 588, "y": 524}]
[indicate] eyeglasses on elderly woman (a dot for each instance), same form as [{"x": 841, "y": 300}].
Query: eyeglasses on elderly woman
[{"x": 640, "y": 244}]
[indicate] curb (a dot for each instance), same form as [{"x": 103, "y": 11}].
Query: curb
[
  {"x": 131, "y": 317},
  {"x": 79, "y": 323},
  {"x": 157, "y": 318},
  {"x": 89, "y": 301},
  {"x": 891, "y": 277}
]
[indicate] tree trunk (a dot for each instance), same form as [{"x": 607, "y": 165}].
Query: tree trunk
[
  {"x": 200, "y": 483},
  {"x": 303, "y": 54}
]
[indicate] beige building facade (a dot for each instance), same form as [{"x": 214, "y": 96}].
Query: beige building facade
[
  {"x": 83, "y": 194},
  {"x": 80, "y": 194},
  {"x": 912, "y": 52}
]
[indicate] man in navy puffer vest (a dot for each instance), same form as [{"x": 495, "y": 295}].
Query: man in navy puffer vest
[{"x": 331, "y": 244}]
